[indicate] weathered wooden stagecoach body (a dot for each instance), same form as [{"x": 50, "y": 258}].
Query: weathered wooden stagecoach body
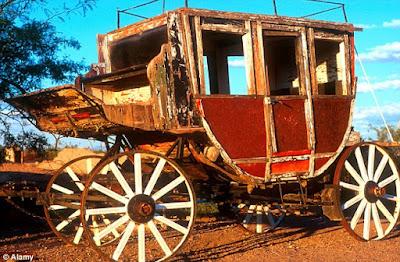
[
  {"x": 170, "y": 76},
  {"x": 265, "y": 101}
]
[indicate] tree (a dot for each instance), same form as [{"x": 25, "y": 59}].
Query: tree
[
  {"x": 382, "y": 133},
  {"x": 30, "y": 49}
]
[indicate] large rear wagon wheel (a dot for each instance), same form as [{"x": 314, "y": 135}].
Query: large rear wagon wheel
[
  {"x": 64, "y": 191},
  {"x": 148, "y": 198},
  {"x": 368, "y": 198}
]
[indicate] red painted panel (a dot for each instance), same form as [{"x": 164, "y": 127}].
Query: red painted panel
[
  {"x": 290, "y": 125},
  {"x": 238, "y": 124},
  {"x": 254, "y": 169},
  {"x": 331, "y": 117},
  {"x": 290, "y": 166},
  {"x": 319, "y": 162}
]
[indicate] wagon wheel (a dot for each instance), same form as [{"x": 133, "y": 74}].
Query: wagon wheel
[
  {"x": 259, "y": 217},
  {"x": 64, "y": 190},
  {"x": 369, "y": 189},
  {"x": 145, "y": 195}
]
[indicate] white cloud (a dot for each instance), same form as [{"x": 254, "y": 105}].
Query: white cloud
[
  {"x": 389, "y": 110},
  {"x": 392, "y": 23},
  {"x": 384, "y": 53},
  {"x": 236, "y": 63},
  {"x": 366, "y": 26},
  {"x": 387, "y": 84}
]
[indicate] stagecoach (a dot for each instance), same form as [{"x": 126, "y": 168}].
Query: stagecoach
[{"x": 250, "y": 112}]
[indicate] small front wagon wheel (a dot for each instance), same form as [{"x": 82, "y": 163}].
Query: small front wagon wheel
[
  {"x": 147, "y": 198},
  {"x": 369, "y": 191}
]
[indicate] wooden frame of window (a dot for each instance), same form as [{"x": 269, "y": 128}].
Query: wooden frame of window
[{"x": 244, "y": 30}]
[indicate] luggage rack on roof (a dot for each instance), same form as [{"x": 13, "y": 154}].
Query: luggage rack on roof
[{"x": 128, "y": 11}]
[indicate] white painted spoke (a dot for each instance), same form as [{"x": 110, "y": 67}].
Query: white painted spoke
[
  {"x": 108, "y": 222},
  {"x": 78, "y": 235},
  {"x": 124, "y": 240},
  {"x": 349, "y": 186},
  {"x": 259, "y": 219},
  {"x": 176, "y": 205},
  {"x": 384, "y": 211},
  {"x": 367, "y": 221},
  {"x": 105, "y": 210},
  {"x": 391, "y": 197},
  {"x": 141, "y": 243},
  {"x": 62, "y": 189},
  {"x": 109, "y": 193},
  {"x": 361, "y": 164},
  {"x": 57, "y": 207},
  {"x": 380, "y": 168},
  {"x": 371, "y": 161},
  {"x": 121, "y": 180},
  {"x": 388, "y": 180},
  {"x": 377, "y": 221},
  {"x": 352, "y": 201},
  {"x": 154, "y": 177},
  {"x": 75, "y": 178},
  {"x": 138, "y": 174},
  {"x": 172, "y": 224},
  {"x": 89, "y": 165},
  {"x": 65, "y": 222},
  {"x": 168, "y": 188},
  {"x": 111, "y": 227},
  {"x": 358, "y": 213},
  {"x": 159, "y": 238},
  {"x": 354, "y": 173}
]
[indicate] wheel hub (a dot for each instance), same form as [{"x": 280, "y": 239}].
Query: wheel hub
[
  {"x": 141, "y": 208},
  {"x": 372, "y": 191}
]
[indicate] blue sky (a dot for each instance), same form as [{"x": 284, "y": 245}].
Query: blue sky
[{"x": 378, "y": 44}]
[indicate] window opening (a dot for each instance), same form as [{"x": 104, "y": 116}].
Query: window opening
[
  {"x": 224, "y": 66},
  {"x": 283, "y": 71},
  {"x": 330, "y": 67}
]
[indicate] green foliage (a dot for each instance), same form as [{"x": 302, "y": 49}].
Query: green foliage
[
  {"x": 382, "y": 133},
  {"x": 25, "y": 140}
]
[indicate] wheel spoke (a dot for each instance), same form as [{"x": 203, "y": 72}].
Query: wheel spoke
[
  {"x": 57, "y": 207},
  {"x": 367, "y": 221},
  {"x": 380, "y": 168},
  {"x": 108, "y": 222},
  {"x": 259, "y": 226},
  {"x": 176, "y": 205},
  {"x": 121, "y": 180},
  {"x": 371, "y": 161},
  {"x": 391, "y": 197},
  {"x": 159, "y": 238},
  {"x": 354, "y": 173},
  {"x": 168, "y": 188},
  {"x": 384, "y": 211},
  {"x": 154, "y": 177},
  {"x": 352, "y": 201},
  {"x": 377, "y": 221},
  {"x": 361, "y": 164},
  {"x": 172, "y": 224},
  {"x": 78, "y": 235},
  {"x": 388, "y": 180},
  {"x": 111, "y": 227},
  {"x": 124, "y": 240},
  {"x": 349, "y": 186},
  {"x": 109, "y": 193},
  {"x": 62, "y": 189},
  {"x": 75, "y": 178},
  {"x": 105, "y": 210},
  {"x": 138, "y": 174},
  {"x": 358, "y": 213},
  {"x": 65, "y": 222},
  {"x": 142, "y": 243},
  {"x": 89, "y": 166}
]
